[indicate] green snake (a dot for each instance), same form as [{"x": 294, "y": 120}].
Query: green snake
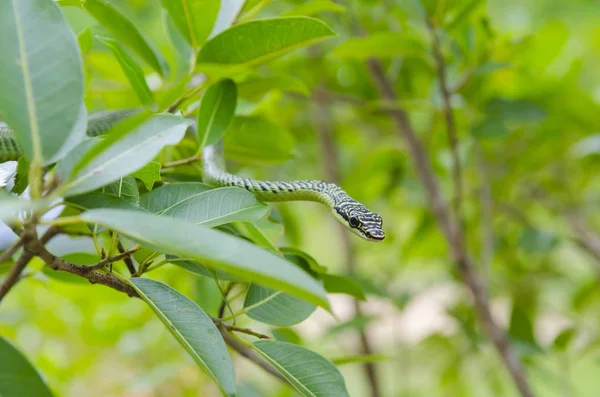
[{"x": 349, "y": 212}]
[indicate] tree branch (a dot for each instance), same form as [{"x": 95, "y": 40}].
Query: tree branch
[
  {"x": 127, "y": 259},
  {"x": 322, "y": 119},
  {"x": 450, "y": 123},
  {"x": 220, "y": 323},
  {"x": 15, "y": 273},
  {"x": 451, "y": 232},
  {"x": 250, "y": 354}
]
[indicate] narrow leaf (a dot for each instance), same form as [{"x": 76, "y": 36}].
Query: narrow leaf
[
  {"x": 132, "y": 70},
  {"x": 216, "y": 111},
  {"x": 192, "y": 328},
  {"x": 18, "y": 378},
  {"x": 41, "y": 76},
  {"x": 194, "y": 18},
  {"x": 310, "y": 373},
  {"x": 213, "y": 249},
  {"x": 127, "y": 33},
  {"x": 262, "y": 40}
]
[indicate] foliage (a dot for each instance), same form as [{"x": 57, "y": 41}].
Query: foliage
[{"x": 291, "y": 88}]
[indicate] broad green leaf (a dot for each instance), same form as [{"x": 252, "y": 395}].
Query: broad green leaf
[
  {"x": 262, "y": 40},
  {"x": 213, "y": 249},
  {"x": 304, "y": 260},
  {"x": 219, "y": 206},
  {"x": 93, "y": 200},
  {"x": 85, "y": 38},
  {"x": 18, "y": 378},
  {"x": 334, "y": 283},
  {"x": 127, "y": 33},
  {"x": 517, "y": 111},
  {"x": 127, "y": 155},
  {"x": 132, "y": 70},
  {"x": 124, "y": 188},
  {"x": 537, "y": 241},
  {"x": 462, "y": 14},
  {"x": 310, "y": 373},
  {"x": 216, "y": 111},
  {"x": 148, "y": 174},
  {"x": 194, "y": 18},
  {"x": 287, "y": 335},
  {"x": 257, "y": 235},
  {"x": 41, "y": 76},
  {"x": 381, "y": 45},
  {"x": 167, "y": 196},
  {"x": 253, "y": 139},
  {"x": 256, "y": 88},
  {"x": 201, "y": 270},
  {"x": 281, "y": 310},
  {"x": 493, "y": 128},
  {"x": 192, "y": 328},
  {"x": 314, "y": 7}
]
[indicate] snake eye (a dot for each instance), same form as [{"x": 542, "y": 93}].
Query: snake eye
[{"x": 353, "y": 221}]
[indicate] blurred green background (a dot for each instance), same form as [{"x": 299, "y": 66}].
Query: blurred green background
[{"x": 527, "y": 96}]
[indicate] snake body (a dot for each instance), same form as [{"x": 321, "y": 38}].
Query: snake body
[{"x": 349, "y": 212}]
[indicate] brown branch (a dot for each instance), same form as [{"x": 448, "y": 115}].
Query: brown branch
[
  {"x": 451, "y": 232},
  {"x": 15, "y": 273},
  {"x": 11, "y": 250},
  {"x": 128, "y": 261},
  {"x": 450, "y": 123},
  {"x": 250, "y": 354},
  {"x": 220, "y": 323},
  {"x": 322, "y": 125}
]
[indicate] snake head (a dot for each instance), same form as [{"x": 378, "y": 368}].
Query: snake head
[{"x": 361, "y": 221}]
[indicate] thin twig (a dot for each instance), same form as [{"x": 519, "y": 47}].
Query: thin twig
[
  {"x": 450, "y": 123},
  {"x": 451, "y": 231},
  {"x": 185, "y": 161},
  {"x": 322, "y": 119},
  {"x": 11, "y": 250},
  {"x": 128, "y": 261},
  {"x": 248, "y": 331},
  {"x": 250, "y": 354}
]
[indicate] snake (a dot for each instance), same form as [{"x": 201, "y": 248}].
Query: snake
[{"x": 350, "y": 213}]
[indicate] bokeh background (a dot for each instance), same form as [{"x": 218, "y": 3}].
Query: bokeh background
[{"x": 527, "y": 103}]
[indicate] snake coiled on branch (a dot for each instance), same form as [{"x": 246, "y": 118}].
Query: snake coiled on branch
[{"x": 349, "y": 212}]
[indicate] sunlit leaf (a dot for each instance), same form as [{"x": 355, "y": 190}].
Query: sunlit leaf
[
  {"x": 41, "y": 69},
  {"x": 382, "y": 44},
  {"x": 194, "y": 18},
  {"x": 213, "y": 249},
  {"x": 313, "y": 7},
  {"x": 281, "y": 309}
]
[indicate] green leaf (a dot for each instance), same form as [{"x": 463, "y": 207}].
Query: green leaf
[
  {"x": 75, "y": 137},
  {"x": 85, "y": 39},
  {"x": 21, "y": 179},
  {"x": 517, "y": 111},
  {"x": 192, "y": 328},
  {"x": 219, "y": 206},
  {"x": 310, "y": 373},
  {"x": 212, "y": 248},
  {"x": 256, "y": 88},
  {"x": 492, "y": 128},
  {"x": 216, "y": 111},
  {"x": 148, "y": 174},
  {"x": 253, "y": 139},
  {"x": 313, "y": 7},
  {"x": 194, "y": 18},
  {"x": 281, "y": 310},
  {"x": 126, "y": 32},
  {"x": 563, "y": 339},
  {"x": 132, "y": 70},
  {"x": 286, "y": 335},
  {"x": 41, "y": 69},
  {"x": 127, "y": 155},
  {"x": 256, "y": 235},
  {"x": 18, "y": 378},
  {"x": 345, "y": 285},
  {"x": 537, "y": 241},
  {"x": 125, "y": 188},
  {"x": 93, "y": 200},
  {"x": 167, "y": 196},
  {"x": 304, "y": 260},
  {"x": 365, "y": 358},
  {"x": 262, "y": 40},
  {"x": 381, "y": 45}
]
